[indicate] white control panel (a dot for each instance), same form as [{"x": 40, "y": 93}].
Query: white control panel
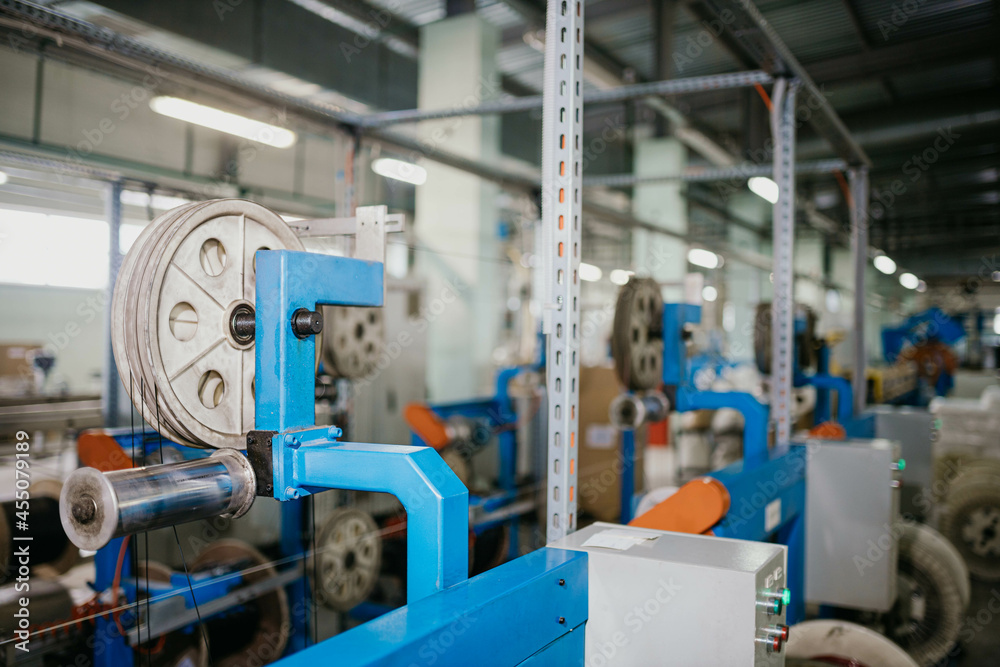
[{"x": 662, "y": 598}]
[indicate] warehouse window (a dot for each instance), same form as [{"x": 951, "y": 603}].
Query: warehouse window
[{"x": 54, "y": 250}]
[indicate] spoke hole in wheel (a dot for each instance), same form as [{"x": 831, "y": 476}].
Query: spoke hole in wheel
[
  {"x": 211, "y": 389},
  {"x": 359, "y": 331},
  {"x": 213, "y": 257},
  {"x": 253, "y": 388},
  {"x": 183, "y": 321}
]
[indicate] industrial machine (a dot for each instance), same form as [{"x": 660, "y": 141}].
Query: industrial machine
[
  {"x": 460, "y": 430},
  {"x": 265, "y": 311},
  {"x": 827, "y": 500},
  {"x": 926, "y": 339}
]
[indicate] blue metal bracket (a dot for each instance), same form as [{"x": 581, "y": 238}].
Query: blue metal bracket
[
  {"x": 543, "y": 595},
  {"x": 288, "y": 280},
  {"x": 307, "y": 459},
  {"x": 436, "y": 502},
  {"x": 755, "y": 417}
]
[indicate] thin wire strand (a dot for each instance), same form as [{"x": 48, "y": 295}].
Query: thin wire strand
[{"x": 194, "y": 599}]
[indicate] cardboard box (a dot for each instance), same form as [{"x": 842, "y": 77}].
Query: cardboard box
[
  {"x": 17, "y": 377},
  {"x": 600, "y": 462}
]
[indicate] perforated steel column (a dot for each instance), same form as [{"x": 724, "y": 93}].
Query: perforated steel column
[
  {"x": 561, "y": 177},
  {"x": 783, "y": 310},
  {"x": 859, "y": 251}
]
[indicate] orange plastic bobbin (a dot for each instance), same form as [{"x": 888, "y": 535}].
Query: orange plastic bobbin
[
  {"x": 695, "y": 508},
  {"x": 427, "y": 424},
  {"x": 98, "y": 449}
]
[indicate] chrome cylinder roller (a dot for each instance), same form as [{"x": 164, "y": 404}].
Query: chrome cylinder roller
[
  {"x": 97, "y": 507},
  {"x": 629, "y": 411}
]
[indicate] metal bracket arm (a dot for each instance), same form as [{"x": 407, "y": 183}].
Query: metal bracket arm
[
  {"x": 755, "y": 417},
  {"x": 436, "y": 502}
]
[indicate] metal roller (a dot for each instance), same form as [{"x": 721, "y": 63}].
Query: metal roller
[
  {"x": 96, "y": 507},
  {"x": 629, "y": 411},
  {"x": 637, "y": 335}
]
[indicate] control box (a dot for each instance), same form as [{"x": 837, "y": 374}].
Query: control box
[
  {"x": 663, "y": 598},
  {"x": 852, "y": 505}
]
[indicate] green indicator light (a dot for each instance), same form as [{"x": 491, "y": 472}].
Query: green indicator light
[
  {"x": 786, "y": 596},
  {"x": 902, "y": 464}
]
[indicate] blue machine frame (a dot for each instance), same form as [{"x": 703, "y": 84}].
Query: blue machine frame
[{"x": 307, "y": 459}]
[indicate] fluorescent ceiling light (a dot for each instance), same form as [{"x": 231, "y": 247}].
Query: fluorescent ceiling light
[
  {"x": 400, "y": 171},
  {"x": 709, "y": 293},
  {"x": 764, "y": 187},
  {"x": 703, "y": 258},
  {"x": 590, "y": 273},
  {"x": 884, "y": 264},
  {"x": 3, "y": 178},
  {"x": 909, "y": 281},
  {"x": 620, "y": 276},
  {"x": 833, "y": 301},
  {"x": 223, "y": 121}
]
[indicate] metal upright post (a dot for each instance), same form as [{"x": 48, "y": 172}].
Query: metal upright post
[
  {"x": 859, "y": 249},
  {"x": 562, "y": 130},
  {"x": 110, "y": 390},
  {"x": 783, "y": 309}
]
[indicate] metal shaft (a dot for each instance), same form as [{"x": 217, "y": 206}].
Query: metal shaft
[{"x": 97, "y": 507}]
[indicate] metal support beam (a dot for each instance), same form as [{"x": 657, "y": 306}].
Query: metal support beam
[
  {"x": 515, "y": 104},
  {"x": 859, "y": 250},
  {"x": 757, "y": 37},
  {"x": 783, "y": 310},
  {"x": 711, "y": 174},
  {"x": 111, "y": 387},
  {"x": 562, "y": 130}
]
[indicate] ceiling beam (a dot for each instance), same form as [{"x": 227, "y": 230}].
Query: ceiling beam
[{"x": 905, "y": 57}]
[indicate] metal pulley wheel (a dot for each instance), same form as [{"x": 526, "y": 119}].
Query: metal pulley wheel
[
  {"x": 806, "y": 343},
  {"x": 264, "y": 640},
  {"x": 353, "y": 340},
  {"x": 970, "y": 519},
  {"x": 348, "y": 557},
  {"x": 637, "y": 335},
  {"x": 829, "y": 642},
  {"x": 933, "y": 594},
  {"x": 181, "y": 318}
]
